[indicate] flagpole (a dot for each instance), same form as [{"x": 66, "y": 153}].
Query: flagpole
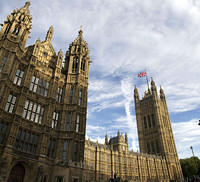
[{"x": 147, "y": 82}]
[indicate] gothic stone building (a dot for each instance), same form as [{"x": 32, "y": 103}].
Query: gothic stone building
[
  {"x": 43, "y": 106},
  {"x": 158, "y": 160}
]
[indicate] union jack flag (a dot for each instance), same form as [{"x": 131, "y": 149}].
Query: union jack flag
[{"x": 142, "y": 74}]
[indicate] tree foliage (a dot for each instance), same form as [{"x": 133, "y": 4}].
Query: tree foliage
[{"x": 190, "y": 166}]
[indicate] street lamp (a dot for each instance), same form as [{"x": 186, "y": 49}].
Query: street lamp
[{"x": 192, "y": 150}]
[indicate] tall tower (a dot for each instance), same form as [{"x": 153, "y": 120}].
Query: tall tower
[
  {"x": 154, "y": 128},
  {"x": 76, "y": 68}
]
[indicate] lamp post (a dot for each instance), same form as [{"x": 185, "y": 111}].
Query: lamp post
[{"x": 192, "y": 150}]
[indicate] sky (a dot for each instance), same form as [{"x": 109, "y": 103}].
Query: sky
[{"x": 126, "y": 37}]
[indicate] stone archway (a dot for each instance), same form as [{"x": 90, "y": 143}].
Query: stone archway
[{"x": 17, "y": 173}]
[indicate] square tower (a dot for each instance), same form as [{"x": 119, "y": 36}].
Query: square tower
[{"x": 154, "y": 128}]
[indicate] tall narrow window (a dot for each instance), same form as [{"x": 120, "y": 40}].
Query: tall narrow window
[
  {"x": 71, "y": 95},
  {"x": 148, "y": 148},
  {"x": 7, "y": 28},
  {"x": 51, "y": 148},
  {"x": 64, "y": 153},
  {"x": 77, "y": 123},
  {"x": 145, "y": 122},
  {"x": 153, "y": 147},
  {"x": 10, "y": 103},
  {"x": 26, "y": 141},
  {"x": 59, "y": 94},
  {"x": 83, "y": 65},
  {"x": 39, "y": 86},
  {"x": 80, "y": 97},
  {"x": 2, "y": 91},
  {"x": 68, "y": 120},
  {"x": 153, "y": 120},
  {"x": 33, "y": 112},
  {"x": 3, "y": 131},
  {"x": 55, "y": 120},
  {"x": 59, "y": 178},
  {"x": 157, "y": 146},
  {"x": 149, "y": 121},
  {"x": 3, "y": 63},
  {"x": 75, "y": 64},
  {"x": 75, "y": 152},
  {"x": 18, "y": 77}
]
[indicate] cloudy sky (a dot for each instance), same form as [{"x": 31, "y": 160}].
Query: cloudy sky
[{"x": 126, "y": 37}]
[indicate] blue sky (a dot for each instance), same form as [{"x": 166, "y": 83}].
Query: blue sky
[{"x": 126, "y": 37}]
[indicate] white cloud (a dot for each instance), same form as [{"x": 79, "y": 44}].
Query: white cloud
[{"x": 186, "y": 135}]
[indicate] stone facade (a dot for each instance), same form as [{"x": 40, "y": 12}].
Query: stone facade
[
  {"x": 43, "y": 108},
  {"x": 158, "y": 160},
  {"x": 43, "y": 104}
]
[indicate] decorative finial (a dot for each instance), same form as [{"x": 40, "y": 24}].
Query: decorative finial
[
  {"x": 27, "y": 4},
  {"x": 80, "y": 31}
]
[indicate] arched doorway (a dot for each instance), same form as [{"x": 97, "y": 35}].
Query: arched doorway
[{"x": 17, "y": 173}]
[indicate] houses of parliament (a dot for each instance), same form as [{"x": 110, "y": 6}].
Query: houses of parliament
[{"x": 43, "y": 109}]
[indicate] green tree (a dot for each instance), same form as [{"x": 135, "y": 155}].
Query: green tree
[{"x": 190, "y": 166}]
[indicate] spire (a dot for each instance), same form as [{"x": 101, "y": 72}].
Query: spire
[
  {"x": 79, "y": 40},
  {"x": 49, "y": 34},
  {"x": 162, "y": 94},
  {"x": 80, "y": 33},
  {"x": 118, "y": 133},
  {"x": 126, "y": 138},
  {"x": 27, "y": 4},
  {"x": 136, "y": 94},
  {"x": 153, "y": 85},
  {"x": 106, "y": 139}
]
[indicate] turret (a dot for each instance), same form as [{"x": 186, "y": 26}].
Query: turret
[
  {"x": 77, "y": 57},
  {"x": 136, "y": 94},
  {"x": 17, "y": 26},
  {"x": 154, "y": 89},
  {"x": 153, "y": 86}
]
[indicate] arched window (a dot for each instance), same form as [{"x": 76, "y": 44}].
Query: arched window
[
  {"x": 16, "y": 29},
  {"x": 17, "y": 173},
  {"x": 7, "y": 28},
  {"x": 83, "y": 65},
  {"x": 75, "y": 64}
]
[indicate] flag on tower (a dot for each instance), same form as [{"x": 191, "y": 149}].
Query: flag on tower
[{"x": 142, "y": 74}]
